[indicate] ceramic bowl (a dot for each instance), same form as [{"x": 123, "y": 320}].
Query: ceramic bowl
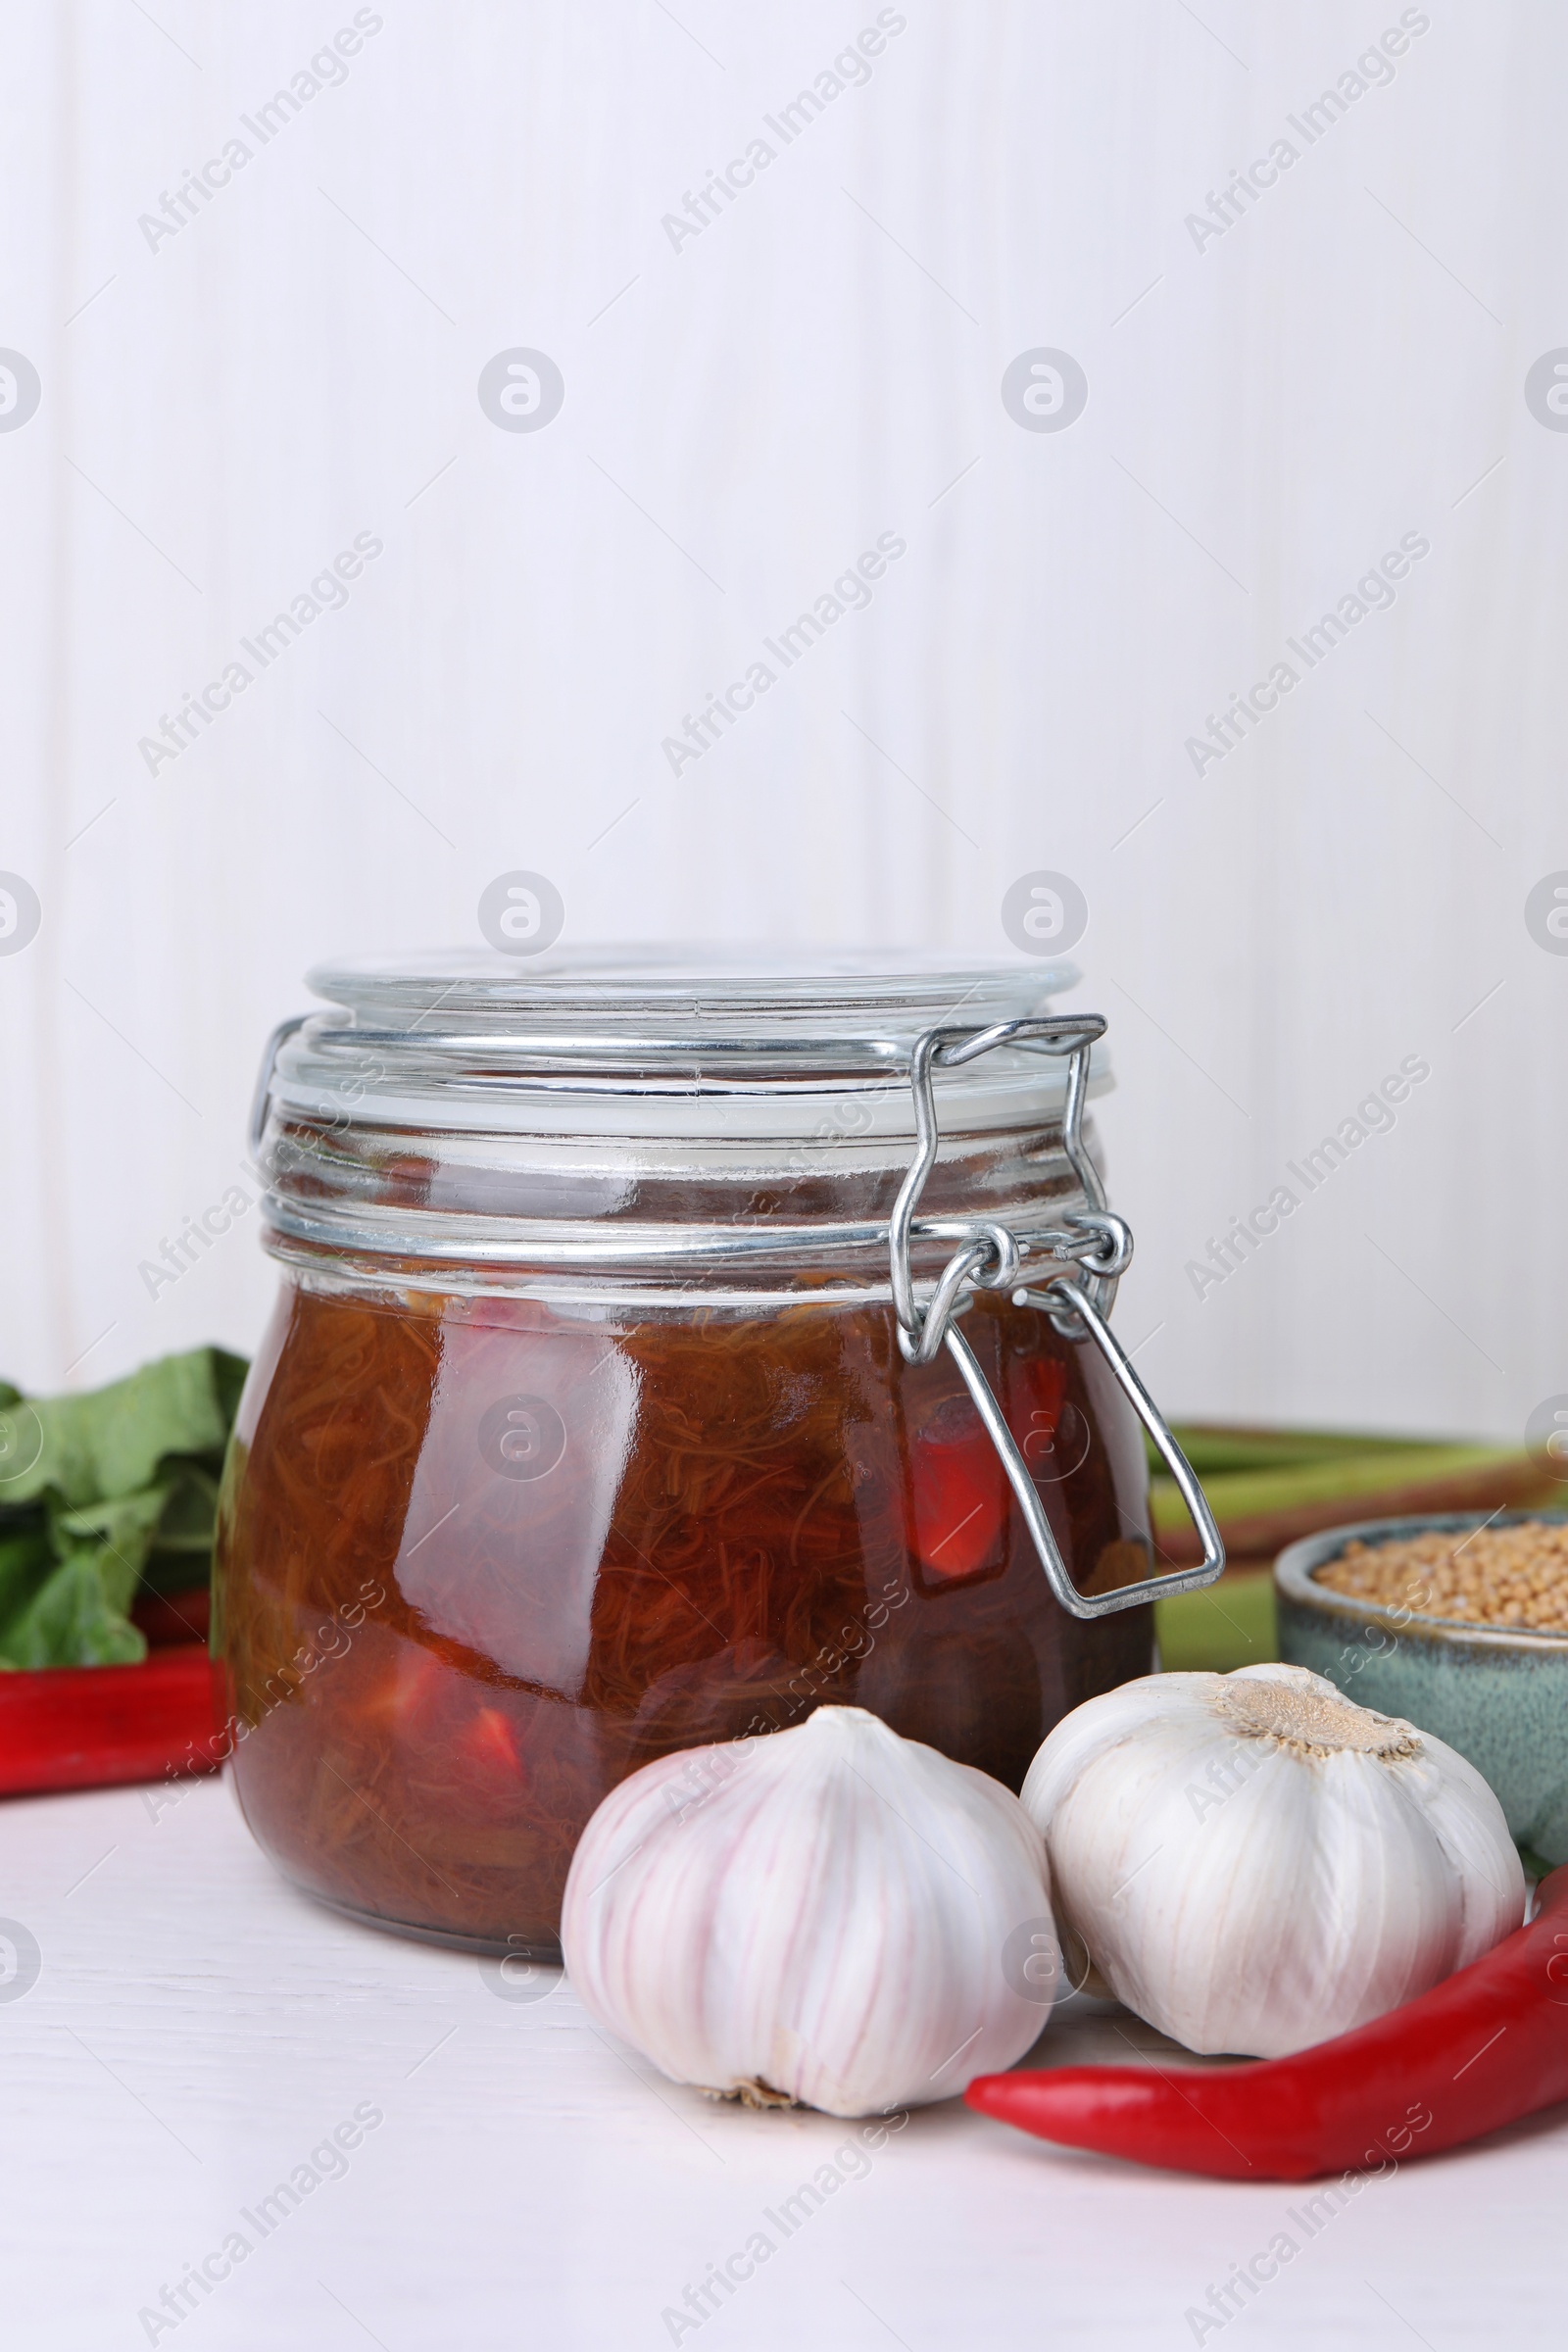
[{"x": 1498, "y": 1694}]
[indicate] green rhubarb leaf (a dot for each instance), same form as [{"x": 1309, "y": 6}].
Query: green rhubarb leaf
[
  {"x": 105, "y": 1494},
  {"x": 112, "y": 1441},
  {"x": 76, "y": 1616},
  {"x": 26, "y": 1559}
]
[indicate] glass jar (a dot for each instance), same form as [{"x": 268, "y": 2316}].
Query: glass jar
[{"x": 593, "y": 1423}]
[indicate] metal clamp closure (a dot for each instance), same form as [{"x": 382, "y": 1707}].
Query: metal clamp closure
[{"x": 987, "y": 1258}]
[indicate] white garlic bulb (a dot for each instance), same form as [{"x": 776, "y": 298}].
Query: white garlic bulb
[
  {"x": 1254, "y": 1863},
  {"x": 832, "y": 1915}
]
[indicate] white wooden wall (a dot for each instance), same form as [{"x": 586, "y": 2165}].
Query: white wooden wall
[{"x": 1271, "y": 409}]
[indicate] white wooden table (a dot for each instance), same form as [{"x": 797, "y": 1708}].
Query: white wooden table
[{"x": 197, "y": 2029}]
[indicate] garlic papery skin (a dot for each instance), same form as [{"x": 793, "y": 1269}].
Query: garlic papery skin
[
  {"x": 831, "y": 1915},
  {"x": 1254, "y": 1863}
]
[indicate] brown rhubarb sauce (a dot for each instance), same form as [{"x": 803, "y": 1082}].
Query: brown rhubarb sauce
[{"x": 477, "y": 1560}]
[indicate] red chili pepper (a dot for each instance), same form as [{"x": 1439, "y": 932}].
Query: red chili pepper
[{"x": 1479, "y": 2050}]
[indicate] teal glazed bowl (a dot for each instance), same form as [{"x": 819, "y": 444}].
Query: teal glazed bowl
[{"x": 1498, "y": 1694}]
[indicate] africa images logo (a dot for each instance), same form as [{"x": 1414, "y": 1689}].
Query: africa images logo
[
  {"x": 20, "y": 390},
  {"x": 1546, "y": 390},
  {"x": 1044, "y": 390},
  {"x": 521, "y": 389}
]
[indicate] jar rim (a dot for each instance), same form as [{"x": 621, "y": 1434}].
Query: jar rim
[
  {"x": 677, "y": 1041},
  {"x": 799, "y": 1005}
]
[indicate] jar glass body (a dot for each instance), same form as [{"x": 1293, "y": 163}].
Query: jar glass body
[
  {"x": 498, "y": 1529},
  {"x": 479, "y": 1561}
]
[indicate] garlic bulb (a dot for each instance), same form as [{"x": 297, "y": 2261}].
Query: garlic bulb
[
  {"x": 1255, "y": 1864},
  {"x": 831, "y": 1915}
]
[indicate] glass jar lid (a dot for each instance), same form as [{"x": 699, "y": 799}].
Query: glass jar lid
[{"x": 666, "y": 1041}]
